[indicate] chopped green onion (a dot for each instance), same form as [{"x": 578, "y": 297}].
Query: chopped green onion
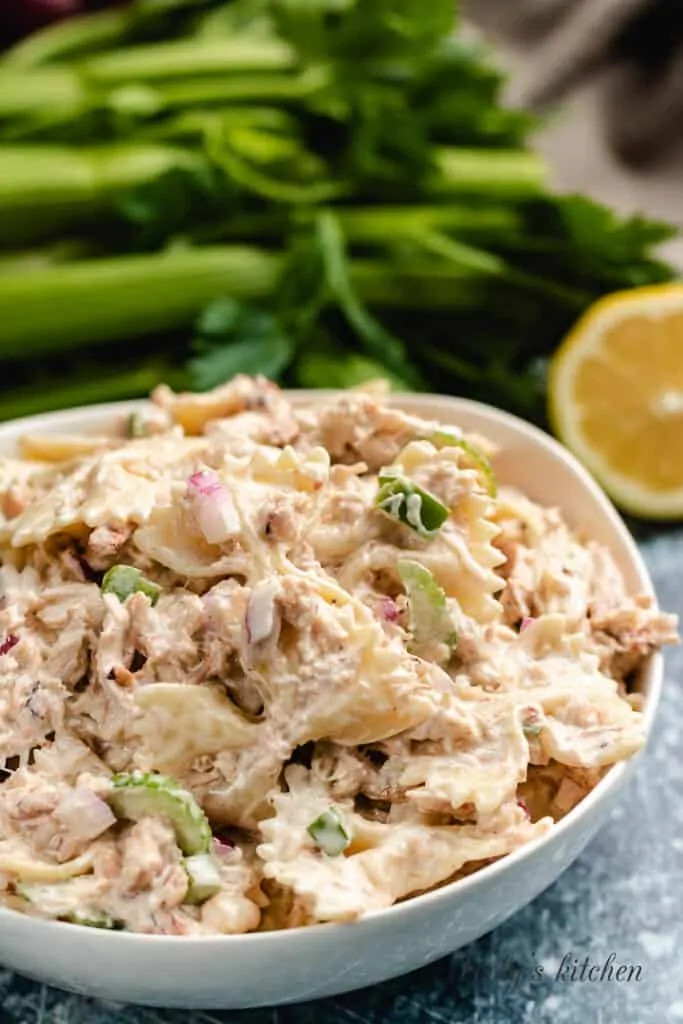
[
  {"x": 204, "y": 880},
  {"x": 143, "y": 794},
  {"x": 410, "y": 504},
  {"x": 430, "y": 619},
  {"x": 124, "y": 580},
  {"x": 329, "y": 833},
  {"x": 445, "y": 439}
]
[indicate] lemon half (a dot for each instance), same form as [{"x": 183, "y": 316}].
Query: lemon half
[{"x": 615, "y": 394}]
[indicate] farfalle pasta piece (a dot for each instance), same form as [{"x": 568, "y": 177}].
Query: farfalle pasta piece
[
  {"x": 384, "y": 863},
  {"x": 123, "y": 485},
  {"x": 340, "y": 676},
  {"x": 64, "y": 447},
  {"x": 170, "y": 538},
  {"x": 483, "y": 775},
  {"x": 19, "y": 862},
  {"x": 181, "y": 722},
  {"x": 194, "y": 412}
]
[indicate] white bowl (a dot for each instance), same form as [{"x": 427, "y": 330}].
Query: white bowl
[{"x": 282, "y": 967}]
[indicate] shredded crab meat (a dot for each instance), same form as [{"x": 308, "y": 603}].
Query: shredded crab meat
[{"x": 218, "y": 606}]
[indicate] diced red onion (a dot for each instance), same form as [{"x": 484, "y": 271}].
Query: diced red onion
[
  {"x": 526, "y": 622},
  {"x": 522, "y": 804},
  {"x": 84, "y": 814},
  {"x": 260, "y": 620},
  {"x": 8, "y": 643},
  {"x": 388, "y": 610},
  {"x": 212, "y": 506},
  {"x": 204, "y": 482},
  {"x": 223, "y": 847}
]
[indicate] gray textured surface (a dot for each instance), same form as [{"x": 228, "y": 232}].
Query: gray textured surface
[{"x": 624, "y": 896}]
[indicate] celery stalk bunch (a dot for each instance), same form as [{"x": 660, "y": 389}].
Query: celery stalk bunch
[{"x": 320, "y": 190}]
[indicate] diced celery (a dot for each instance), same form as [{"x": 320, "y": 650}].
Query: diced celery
[
  {"x": 143, "y": 794},
  {"x": 330, "y": 833},
  {"x": 411, "y": 504},
  {"x": 124, "y": 580},
  {"x": 204, "y": 880},
  {"x": 430, "y": 619}
]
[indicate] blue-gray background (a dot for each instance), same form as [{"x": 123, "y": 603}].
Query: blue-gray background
[{"x": 623, "y": 896}]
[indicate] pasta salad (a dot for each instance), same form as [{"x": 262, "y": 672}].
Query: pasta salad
[{"x": 263, "y": 666}]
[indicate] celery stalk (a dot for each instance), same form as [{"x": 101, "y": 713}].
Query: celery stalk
[
  {"x": 68, "y": 306},
  {"x": 418, "y": 285},
  {"x": 32, "y": 261},
  {"x": 45, "y": 188},
  {"x": 74, "y": 305},
  {"x": 25, "y": 93},
  {"x": 381, "y": 224},
  {"x": 276, "y": 86},
  {"x": 66, "y": 39},
  {"x": 159, "y": 61},
  {"x": 489, "y": 264},
  {"x": 506, "y": 174}
]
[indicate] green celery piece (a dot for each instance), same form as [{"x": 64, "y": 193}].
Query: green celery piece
[
  {"x": 418, "y": 284},
  {"x": 125, "y": 580},
  {"x": 204, "y": 880},
  {"x": 91, "y": 919},
  {"x": 31, "y": 261},
  {"x": 410, "y": 504},
  {"x": 489, "y": 264},
  {"x": 30, "y": 92},
  {"x": 445, "y": 439},
  {"x": 252, "y": 179},
  {"x": 502, "y": 174},
  {"x": 383, "y": 223},
  {"x": 143, "y": 794},
  {"x": 135, "y": 426},
  {"x": 430, "y": 620},
  {"x": 241, "y": 54},
  {"x": 65, "y": 307},
  {"x": 49, "y": 188},
  {"x": 65, "y": 40},
  {"x": 330, "y": 833},
  {"x": 62, "y": 308},
  {"x": 219, "y": 91}
]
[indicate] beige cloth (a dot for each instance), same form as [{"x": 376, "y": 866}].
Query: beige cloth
[
  {"x": 571, "y": 37},
  {"x": 615, "y": 136}
]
